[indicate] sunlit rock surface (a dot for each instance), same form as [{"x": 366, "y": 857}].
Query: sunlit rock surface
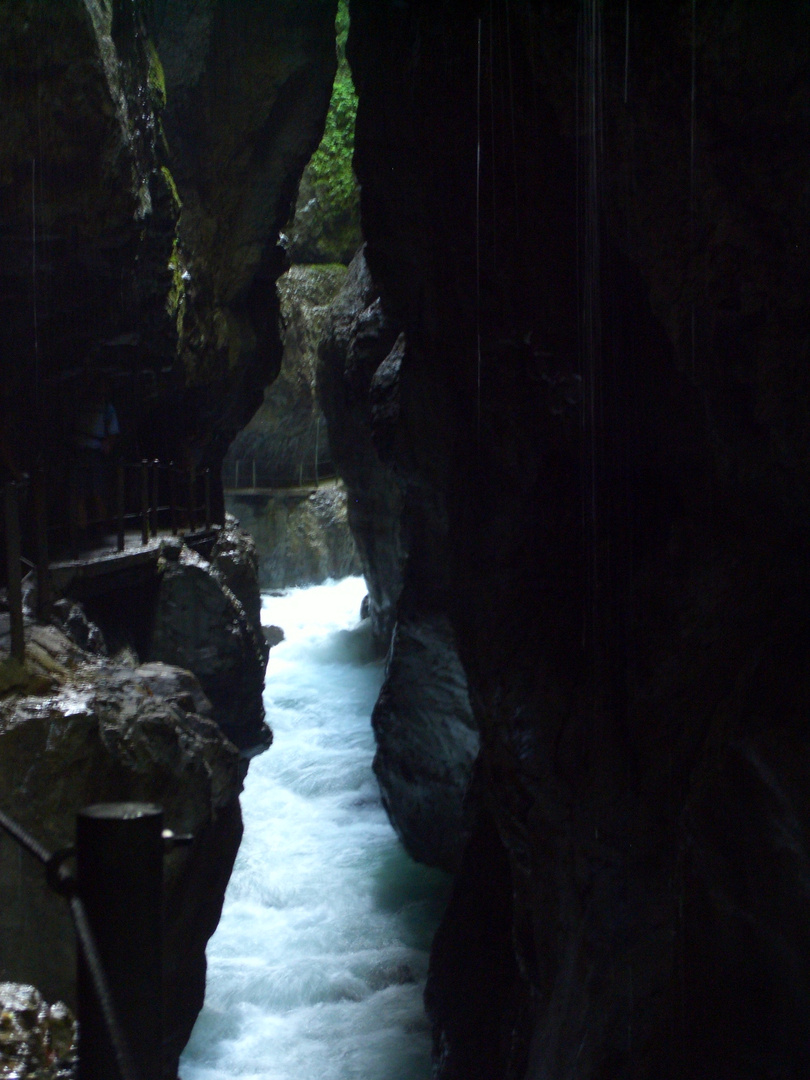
[
  {"x": 286, "y": 442},
  {"x": 301, "y": 538},
  {"x": 103, "y": 733}
]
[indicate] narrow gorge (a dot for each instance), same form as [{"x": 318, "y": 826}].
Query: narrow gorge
[{"x": 561, "y": 393}]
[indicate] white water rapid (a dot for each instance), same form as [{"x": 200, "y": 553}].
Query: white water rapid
[{"x": 317, "y": 968}]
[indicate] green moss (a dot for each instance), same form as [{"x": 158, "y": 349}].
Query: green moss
[
  {"x": 176, "y": 300},
  {"x": 170, "y": 184},
  {"x": 156, "y": 80}
]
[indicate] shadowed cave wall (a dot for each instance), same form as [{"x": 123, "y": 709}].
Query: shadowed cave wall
[{"x": 591, "y": 223}]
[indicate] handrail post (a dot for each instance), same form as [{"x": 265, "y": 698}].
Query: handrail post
[
  {"x": 207, "y": 499},
  {"x": 236, "y": 474},
  {"x": 144, "y": 501},
  {"x": 119, "y": 503},
  {"x": 192, "y": 495},
  {"x": 12, "y": 509},
  {"x": 73, "y": 508},
  {"x": 254, "y": 474},
  {"x": 44, "y": 592},
  {"x": 119, "y": 864},
  {"x": 153, "y": 508},
  {"x": 317, "y": 448},
  {"x": 173, "y": 498}
]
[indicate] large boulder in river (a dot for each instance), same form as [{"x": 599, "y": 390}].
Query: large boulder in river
[
  {"x": 201, "y": 625},
  {"x": 427, "y": 742},
  {"x": 96, "y": 732}
]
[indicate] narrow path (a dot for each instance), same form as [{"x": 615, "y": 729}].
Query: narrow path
[{"x": 317, "y": 968}]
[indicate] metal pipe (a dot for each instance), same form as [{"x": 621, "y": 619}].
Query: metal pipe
[
  {"x": 44, "y": 591},
  {"x": 13, "y": 553},
  {"x": 73, "y": 509},
  {"x": 119, "y": 860},
  {"x": 173, "y": 498},
  {"x": 144, "y": 501},
  {"x": 192, "y": 494},
  {"x": 155, "y": 498},
  {"x": 119, "y": 484}
]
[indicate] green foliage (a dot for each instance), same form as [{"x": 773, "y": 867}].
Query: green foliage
[{"x": 329, "y": 178}]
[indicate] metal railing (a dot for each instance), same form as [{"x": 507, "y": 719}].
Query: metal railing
[
  {"x": 251, "y": 474},
  {"x": 115, "y": 901},
  {"x": 149, "y": 494}
]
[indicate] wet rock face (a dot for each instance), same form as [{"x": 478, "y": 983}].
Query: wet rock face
[
  {"x": 358, "y": 339},
  {"x": 300, "y": 541},
  {"x": 601, "y": 468},
  {"x": 108, "y": 733},
  {"x": 427, "y": 743},
  {"x": 201, "y": 625},
  {"x": 37, "y": 1040},
  {"x": 286, "y": 443},
  {"x": 247, "y": 92}
]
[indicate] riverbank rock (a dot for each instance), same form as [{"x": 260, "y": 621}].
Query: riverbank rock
[
  {"x": 200, "y": 624},
  {"x": 107, "y": 733},
  {"x": 427, "y": 742},
  {"x": 37, "y": 1041}
]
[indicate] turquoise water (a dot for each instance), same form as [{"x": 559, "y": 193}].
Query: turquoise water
[{"x": 317, "y": 968}]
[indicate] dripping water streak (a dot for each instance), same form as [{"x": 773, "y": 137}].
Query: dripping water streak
[
  {"x": 478, "y": 244},
  {"x": 692, "y": 108},
  {"x": 34, "y": 267},
  {"x": 589, "y": 259},
  {"x": 626, "y": 47},
  {"x": 493, "y": 167},
  {"x": 512, "y": 118}
]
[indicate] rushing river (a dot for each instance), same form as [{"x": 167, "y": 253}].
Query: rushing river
[{"x": 317, "y": 968}]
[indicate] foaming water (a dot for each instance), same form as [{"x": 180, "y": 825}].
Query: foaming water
[{"x": 317, "y": 968}]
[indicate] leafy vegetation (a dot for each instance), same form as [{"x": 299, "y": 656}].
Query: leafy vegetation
[{"x": 327, "y": 223}]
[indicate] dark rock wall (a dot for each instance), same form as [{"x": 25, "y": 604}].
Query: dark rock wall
[
  {"x": 247, "y": 91},
  {"x": 150, "y": 153},
  {"x": 600, "y": 435},
  {"x": 359, "y": 338}
]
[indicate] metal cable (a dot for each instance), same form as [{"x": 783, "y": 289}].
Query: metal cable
[
  {"x": 87, "y": 943},
  {"x": 25, "y": 839},
  {"x": 123, "y": 1057}
]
